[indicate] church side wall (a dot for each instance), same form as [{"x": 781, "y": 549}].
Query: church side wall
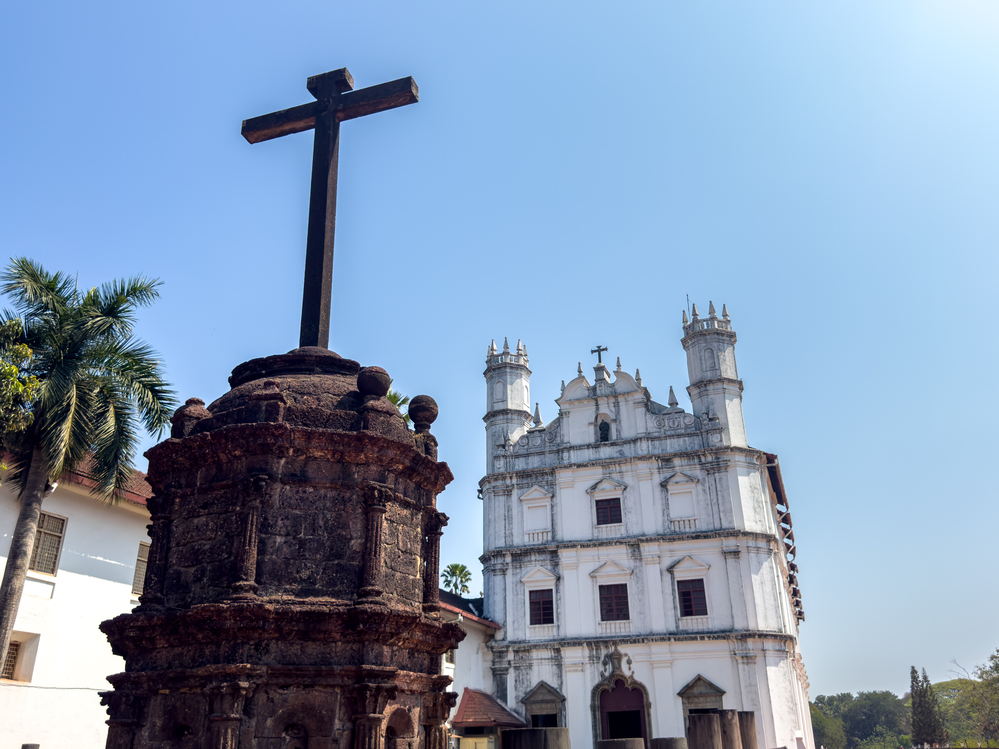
[{"x": 68, "y": 657}]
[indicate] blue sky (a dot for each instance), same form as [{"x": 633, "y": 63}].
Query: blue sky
[{"x": 571, "y": 173}]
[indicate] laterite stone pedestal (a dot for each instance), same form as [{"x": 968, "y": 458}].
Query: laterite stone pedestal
[{"x": 291, "y": 592}]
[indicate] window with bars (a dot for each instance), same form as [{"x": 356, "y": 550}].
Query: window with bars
[
  {"x": 693, "y": 602},
  {"x": 608, "y": 511},
  {"x": 542, "y": 607},
  {"x": 139, "y": 578},
  {"x": 614, "y": 603},
  {"x": 10, "y": 662},
  {"x": 48, "y": 540}
]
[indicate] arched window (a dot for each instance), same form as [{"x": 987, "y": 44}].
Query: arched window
[
  {"x": 710, "y": 361},
  {"x": 604, "y": 431}
]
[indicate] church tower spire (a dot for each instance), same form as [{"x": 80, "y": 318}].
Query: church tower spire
[
  {"x": 715, "y": 387},
  {"x": 508, "y": 398}
]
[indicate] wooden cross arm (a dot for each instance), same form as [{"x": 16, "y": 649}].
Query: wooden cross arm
[
  {"x": 376, "y": 99},
  {"x": 285, "y": 122}
]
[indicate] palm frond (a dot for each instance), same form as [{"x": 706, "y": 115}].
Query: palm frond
[
  {"x": 35, "y": 291},
  {"x": 114, "y": 442},
  {"x": 134, "y": 368},
  {"x": 110, "y": 310}
]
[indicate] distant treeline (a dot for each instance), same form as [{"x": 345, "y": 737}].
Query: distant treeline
[{"x": 958, "y": 711}]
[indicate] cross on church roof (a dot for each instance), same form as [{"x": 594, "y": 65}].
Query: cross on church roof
[
  {"x": 598, "y": 351},
  {"x": 336, "y": 101}
]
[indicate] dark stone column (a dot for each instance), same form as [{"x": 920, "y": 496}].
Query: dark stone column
[
  {"x": 433, "y": 714},
  {"x": 704, "y": 731},
  {"x": 729, "y": 721},
  {"x": 159, "y": 536},
  {"x": 747, "y": 729},
  {"x": 432, "y": 560},
  {"x": 124, "y": 711},
  {"x": 374, "y": 499},
  {"x": 370, "y": 701},
  {"x": 245, "y": 586},
  {"x": 226, "y": 700}
]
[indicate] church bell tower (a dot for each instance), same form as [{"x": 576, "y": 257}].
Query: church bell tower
[
  {"x": 508, "y": 397},
  {"x": 715, "y": 387}
]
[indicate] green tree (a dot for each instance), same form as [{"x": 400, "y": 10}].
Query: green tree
[
  {"x": 18, "y": 388},
  {"x": 456, "y": 578},
  {"x": 927, "y": 719},
  {"x": 870, "y": 710},
  {"x": 881, "y": 738},
  {"x": 833, "y": 706},
  {"x": 984, "y": 699},
  {"x": 97, "y": 383},
  {"x": 826, "y": 730},
  {"x": 399, "y": 400}
]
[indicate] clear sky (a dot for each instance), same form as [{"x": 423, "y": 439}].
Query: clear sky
[{"x": 573, "y": 170}]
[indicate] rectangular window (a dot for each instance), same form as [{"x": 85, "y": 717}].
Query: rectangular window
[
  {"x": 10, "y": 661},
  {"x": 449, "y": 656},
  {"x": 608, "y": 511},
  {"x": 139, "y": 578},
  {"x": 48, "y": 539},
  {"x": 692, "y": 599},
  {"x": 614, "y": 603},
  {"x": 542, "y": 607}
]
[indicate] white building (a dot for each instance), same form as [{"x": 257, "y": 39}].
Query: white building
[
  {"x": 639, "y": 557},
  {"x": 88, "y": 566}
]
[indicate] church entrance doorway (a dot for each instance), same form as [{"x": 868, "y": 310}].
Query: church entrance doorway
[{"x": 622, "y": 713}]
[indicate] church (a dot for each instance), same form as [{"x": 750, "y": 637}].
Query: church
[{"x": 638, "y": 559}]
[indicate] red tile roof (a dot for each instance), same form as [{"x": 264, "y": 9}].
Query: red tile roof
[{"x": 478, "y": 708}]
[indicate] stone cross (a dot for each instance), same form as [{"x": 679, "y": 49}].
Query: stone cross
[
  {"x": 598, "y": 351},
  {"x": 336, "y": 101}
]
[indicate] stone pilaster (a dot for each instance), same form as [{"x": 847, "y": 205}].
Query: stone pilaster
[
  {"x": 432, "y": 560},
  {"x": 124, "y": 713},
  {"x": 226, "y": 701},
  {"x": 374, "y": 500}
]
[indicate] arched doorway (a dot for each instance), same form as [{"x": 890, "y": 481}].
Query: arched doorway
[
  {"x": 620, "y": 703},
  {"x": 622, "y": 712}
]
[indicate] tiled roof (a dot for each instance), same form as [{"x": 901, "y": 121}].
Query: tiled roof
[
  {"x": 470, "y": 607},
  {"x": 478, "y": 708},
  {"x": 137, "y": 490}
]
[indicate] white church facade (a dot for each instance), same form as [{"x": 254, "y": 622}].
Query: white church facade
[{"x": 639, "y": 558}]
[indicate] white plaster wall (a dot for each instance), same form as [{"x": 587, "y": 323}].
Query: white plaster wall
[
  {"x": 665, "y": 668},
  {"x": 60, "y": 706}
]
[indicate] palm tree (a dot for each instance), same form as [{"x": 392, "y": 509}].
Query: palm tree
[
  {"x": 399, "y": 400},
  {"x": 456, "y": 578},
  {"x": 97, "y": 384}
]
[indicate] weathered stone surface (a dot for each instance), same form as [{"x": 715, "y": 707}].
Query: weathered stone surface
[{"x": 291, "y": 589}]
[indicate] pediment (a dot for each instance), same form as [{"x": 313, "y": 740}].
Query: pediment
[
  {"x": 539, "y": 575},
  {"x": 689, "y": 564},
  {"x": 607, "y": 485},
  {"x": 677, "y": 478},
  {"x": 610, "y": 569},
  {"x": 577, "y": 389},
  {"x": 543, "y": 692},
  {"x": 624, "y": 382},
  {"x": 699, "y": 686},
  {"x": 535, "y": 493}
]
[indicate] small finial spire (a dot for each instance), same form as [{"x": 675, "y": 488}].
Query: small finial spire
[
  {"x": 520, "y": 346},
  {"x": 579, "y": 368},
  {"x": 492, "y": 347},
  {"x": 537, "y": 415},
  {"x": 638, "y": 377},
  {"x": 693, "y": 310},
  {"x": 724, "y": 312},
  {"x": 673, "y": 402},
  {"x": 711, "y": 308},
  {"x": 506, "y": 345},
  {"x": 685, "y": 320},
  {"x": 618, "y": 369},
  {"x": 525, "y": 349}
]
